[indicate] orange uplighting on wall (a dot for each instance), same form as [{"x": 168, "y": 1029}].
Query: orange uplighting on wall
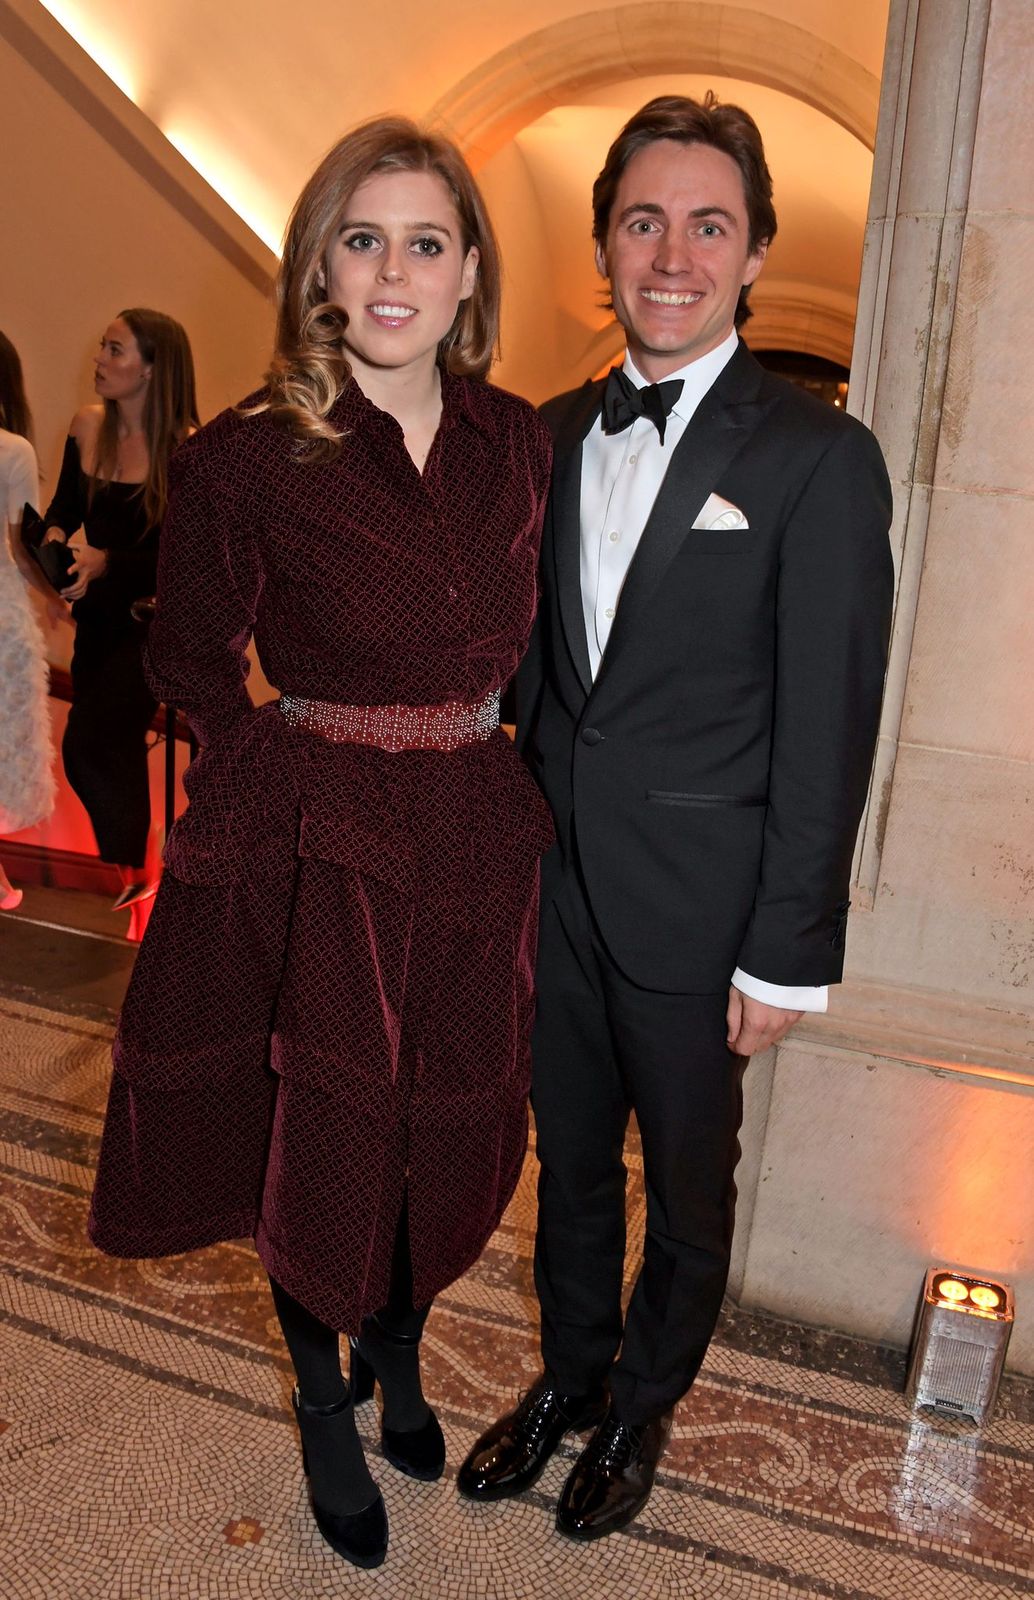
[
  {"x": 242, "y": 189},
  {"x": 96, "y": 40},
  {"x": 230, "y": 179}
]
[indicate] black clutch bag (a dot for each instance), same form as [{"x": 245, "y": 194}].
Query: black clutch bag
[{"x": 53, "y": 558}]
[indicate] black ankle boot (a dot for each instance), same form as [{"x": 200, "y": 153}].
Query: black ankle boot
[
  {"x": 418, "y": 1452},
  {"x": 332, "y": 1455}
]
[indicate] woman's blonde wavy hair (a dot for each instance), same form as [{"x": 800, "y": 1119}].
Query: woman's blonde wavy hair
[{"x": 309, "y": 368}]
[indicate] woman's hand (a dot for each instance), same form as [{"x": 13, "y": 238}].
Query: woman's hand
[{"x": 89, "y": 564}]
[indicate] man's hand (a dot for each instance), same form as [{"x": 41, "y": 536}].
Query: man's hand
[{"x": 753, "y": 1026}]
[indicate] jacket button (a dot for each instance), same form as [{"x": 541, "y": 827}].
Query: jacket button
[{"x": 591, "y": 736}]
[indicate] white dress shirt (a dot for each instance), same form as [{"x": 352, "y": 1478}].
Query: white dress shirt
[{"x": 621, "y": 478}]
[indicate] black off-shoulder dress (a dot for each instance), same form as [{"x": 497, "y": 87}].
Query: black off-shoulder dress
[{"x": 105, "y": 744}]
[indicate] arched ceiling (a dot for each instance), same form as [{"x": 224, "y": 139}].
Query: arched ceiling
[
  {"x": 253, "y": 91},
  {"x": 582, "y": 53},
  {"x": 821, "y": 175}
]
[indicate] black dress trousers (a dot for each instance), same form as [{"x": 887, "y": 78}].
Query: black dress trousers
[{"x": 603, "y": 1048}]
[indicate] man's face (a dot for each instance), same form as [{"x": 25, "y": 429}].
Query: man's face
[{"x": 676, "y": 253}]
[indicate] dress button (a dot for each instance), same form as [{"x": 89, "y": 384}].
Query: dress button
[{"x": 591, "y": 736}]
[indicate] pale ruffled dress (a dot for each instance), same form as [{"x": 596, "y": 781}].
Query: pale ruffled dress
[{"x": 26, "y": 776}]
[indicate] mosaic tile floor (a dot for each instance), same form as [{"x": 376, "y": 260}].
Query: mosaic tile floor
[{"x": 146, "y": 1449}]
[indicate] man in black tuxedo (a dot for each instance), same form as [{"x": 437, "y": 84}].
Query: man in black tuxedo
[{"x": 700, "y": 706}]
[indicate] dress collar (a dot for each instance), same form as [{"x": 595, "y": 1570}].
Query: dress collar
[{"x": 463, "y": 399}]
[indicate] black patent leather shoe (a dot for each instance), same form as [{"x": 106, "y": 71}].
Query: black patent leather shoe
[
  {"x": 611, "y": 1481},
  {"x": 511, "y": 1456}
]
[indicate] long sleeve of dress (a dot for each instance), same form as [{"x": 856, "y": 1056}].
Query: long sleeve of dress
[
  {"x": 68, "y": 506},
  {"x": 209, "y": 581}
]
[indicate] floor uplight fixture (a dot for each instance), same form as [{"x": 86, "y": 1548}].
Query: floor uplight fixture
[{"x": 958, "y": 1351}]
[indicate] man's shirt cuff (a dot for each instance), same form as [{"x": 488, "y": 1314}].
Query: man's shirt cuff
[{"x": 778, "y": 994}]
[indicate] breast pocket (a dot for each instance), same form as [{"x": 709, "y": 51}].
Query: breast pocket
[{"x": 676, "y": 797}]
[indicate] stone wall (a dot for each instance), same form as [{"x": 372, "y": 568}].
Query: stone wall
[{"x": 899, "y": 1132}]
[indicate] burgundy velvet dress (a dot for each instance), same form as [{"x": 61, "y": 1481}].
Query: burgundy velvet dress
[{"x": 333, "y": 1001}]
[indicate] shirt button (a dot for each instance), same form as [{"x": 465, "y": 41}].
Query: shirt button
[
  {"x": 591, "y": 736},
  {"x": 613, "y": 537},
  {"x": 609, "y": 611},
  {"x": 632, "y": 460}
]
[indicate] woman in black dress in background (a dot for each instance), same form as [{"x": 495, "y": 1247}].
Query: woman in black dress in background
[{"x": 113, "y": 488}]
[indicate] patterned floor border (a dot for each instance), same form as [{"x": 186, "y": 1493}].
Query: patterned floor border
[{"x": 147, "y": 1450}]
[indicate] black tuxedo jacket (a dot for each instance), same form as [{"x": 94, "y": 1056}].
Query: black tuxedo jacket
[{"x": 712, "y": 778}]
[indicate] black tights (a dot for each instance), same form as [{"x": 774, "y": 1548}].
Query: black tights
[{"x": 313, "y": 1346}]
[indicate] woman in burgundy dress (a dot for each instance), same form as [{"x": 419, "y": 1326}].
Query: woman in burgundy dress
[{"x": 325, "y": 1042}]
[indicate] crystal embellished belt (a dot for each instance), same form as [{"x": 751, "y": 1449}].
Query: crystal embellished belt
[{"x": 396, "y": 728}]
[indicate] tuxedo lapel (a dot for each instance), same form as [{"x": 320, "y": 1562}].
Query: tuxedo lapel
[
  {"x": 565, "y": 513},
  {"x": 718, "y": 430}
]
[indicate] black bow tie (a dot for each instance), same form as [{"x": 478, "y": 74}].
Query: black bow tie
[{"x": 623, "y": 402}]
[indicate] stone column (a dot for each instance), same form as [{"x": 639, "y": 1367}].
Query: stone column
[
  {"x": 942, "y": 374},
  {"x": 900, "y": 1130}
]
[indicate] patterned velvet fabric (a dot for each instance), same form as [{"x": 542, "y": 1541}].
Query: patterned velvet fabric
[{"x": 334, "y": 996}]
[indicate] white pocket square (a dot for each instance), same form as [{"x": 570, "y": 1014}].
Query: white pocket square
[{"x": 718, "y": 513}]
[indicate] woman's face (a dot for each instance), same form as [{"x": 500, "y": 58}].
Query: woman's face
[
  {"x": 120, "y": 371},
  {"x": 399, "y": 270}
]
